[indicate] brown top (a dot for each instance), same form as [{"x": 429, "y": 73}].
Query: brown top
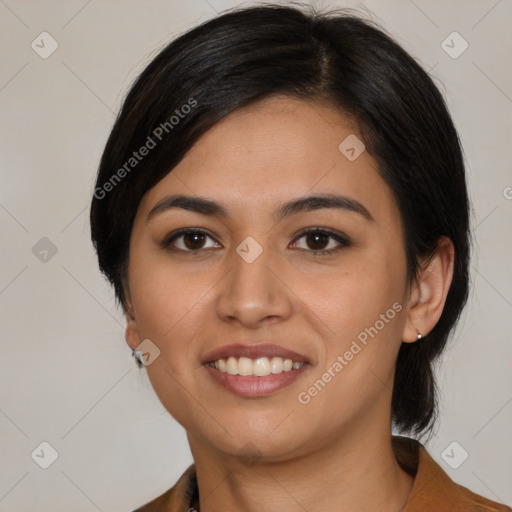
[{"x": 433, "y": 490}]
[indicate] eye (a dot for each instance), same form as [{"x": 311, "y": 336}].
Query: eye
[
  {"x": 192, "y": 240},
  {"x": 317, "y": 241}
]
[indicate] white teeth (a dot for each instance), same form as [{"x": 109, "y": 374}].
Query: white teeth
[
  {"x": 231, "y": 366},
  {"x": 276, "y": 365},
  {"x": 244, "y": 366},
  {"x": 260, "y": 367}
]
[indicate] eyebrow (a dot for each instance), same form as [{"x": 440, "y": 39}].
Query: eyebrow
[{"x": 305, "y": 204}]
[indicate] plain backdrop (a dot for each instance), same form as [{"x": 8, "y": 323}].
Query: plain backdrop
[{"x": 67, "y": 376}]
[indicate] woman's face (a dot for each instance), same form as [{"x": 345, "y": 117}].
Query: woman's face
[{"x": 251, "y": 290}]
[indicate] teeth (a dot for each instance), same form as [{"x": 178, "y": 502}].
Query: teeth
[
  {"x": 276, "y": 365},
  {"x": 260, "y": 367},
  {"x": 244, "y": 366},
  {"x": 231, "y": 366}
]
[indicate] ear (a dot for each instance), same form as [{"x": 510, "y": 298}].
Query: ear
[
  {"x": 429, "y": 292},
  {"x": 131, "y": 334}
]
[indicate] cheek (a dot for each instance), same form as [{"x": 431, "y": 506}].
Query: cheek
[
  {"x": 361, "y": 309},
  {"x": 355, "y": 298},
  {"x": 159, "y": 303},
  {"x": 167, "y": 314},
  {"x": 163, "y": 293},
  {"x": 170, "y": 296}
]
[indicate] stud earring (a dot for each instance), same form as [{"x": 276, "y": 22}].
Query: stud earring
[
  {"x": 138, "y": 356},
  {"x": 419, "y": 336}
]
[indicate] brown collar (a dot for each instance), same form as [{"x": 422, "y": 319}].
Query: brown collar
[{"x": 433, "y": 490}]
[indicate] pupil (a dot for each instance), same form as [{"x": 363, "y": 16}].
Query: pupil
[
  {"x": 318, "y": 238},
  {"x": 197, "y": 239}
]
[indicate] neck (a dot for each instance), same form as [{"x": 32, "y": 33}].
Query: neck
[{"x": 356, "y": 471}]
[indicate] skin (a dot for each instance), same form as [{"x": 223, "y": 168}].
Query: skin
[{"x": 334, "y": 452}]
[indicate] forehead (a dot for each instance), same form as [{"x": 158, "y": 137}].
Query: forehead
[{"x": 276, "y": 150}]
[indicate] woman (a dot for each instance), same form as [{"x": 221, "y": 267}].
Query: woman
[{"x": 282, "y": 210}]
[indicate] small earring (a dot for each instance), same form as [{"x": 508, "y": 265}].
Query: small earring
[
  {"x": 419, "y": 336},
  {"x": 138, "y": 355}
]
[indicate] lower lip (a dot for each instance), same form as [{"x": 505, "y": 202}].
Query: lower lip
[{"x": 251, "y": 386}]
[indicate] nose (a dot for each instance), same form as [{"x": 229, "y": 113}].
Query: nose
[{"x": 254, "y": 293}]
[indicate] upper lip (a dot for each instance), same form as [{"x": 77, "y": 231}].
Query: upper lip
[{"x": 253, "y": 352}]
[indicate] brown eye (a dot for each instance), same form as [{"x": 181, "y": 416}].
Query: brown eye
[
  {"x": 188, "y": 240},
  {"x": 318, "y": 240},
  {"x": 194, "y": 241}
]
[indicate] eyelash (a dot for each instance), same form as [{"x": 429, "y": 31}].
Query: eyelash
[{"x": 341, "y": 239}]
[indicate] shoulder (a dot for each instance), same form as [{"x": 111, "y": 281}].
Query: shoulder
[
  {"x": 158, "y": 504},
  {"x": 177, "y": 498},
  {"x": 433, "y": 489}
]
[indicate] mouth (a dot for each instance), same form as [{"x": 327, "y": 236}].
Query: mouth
[
  {"x": 260, "y": 367},
  {"x": 254, "y": 370}
]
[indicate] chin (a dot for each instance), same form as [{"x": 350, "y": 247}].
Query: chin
[{"x": 252, "y": 443}]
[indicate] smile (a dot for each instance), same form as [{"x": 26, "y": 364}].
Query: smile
[
  {"x": 254, "y": 370},
  {"x": 260, "y": 367}
]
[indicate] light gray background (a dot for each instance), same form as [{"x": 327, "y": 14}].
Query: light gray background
[{"x": 67, "y": 375}]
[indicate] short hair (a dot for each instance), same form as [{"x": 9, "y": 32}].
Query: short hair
[{"x": 248, "y": 54}]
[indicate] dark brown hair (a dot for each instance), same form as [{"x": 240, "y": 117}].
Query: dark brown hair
[{"x": 245, "y": 55}]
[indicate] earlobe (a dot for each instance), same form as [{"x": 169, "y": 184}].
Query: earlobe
[
  {"x": 131, "y": 334},
  {"x": 430, "y": 292}
]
